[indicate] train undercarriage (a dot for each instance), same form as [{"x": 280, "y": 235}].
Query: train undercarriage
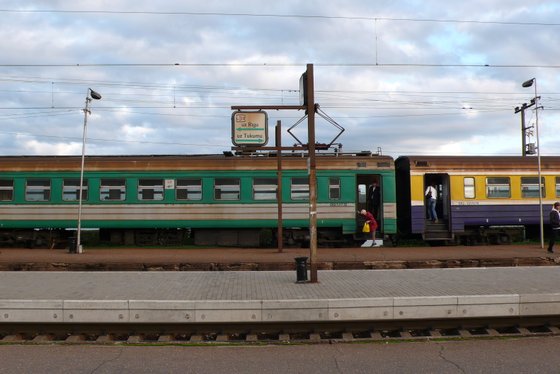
[
  {"x": 221, "y": 237},
  {"x": 30, "y": 238},
  {"x": 256, "y": 238}
]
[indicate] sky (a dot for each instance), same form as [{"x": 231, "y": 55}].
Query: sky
[{"x": 399, "y": 77}]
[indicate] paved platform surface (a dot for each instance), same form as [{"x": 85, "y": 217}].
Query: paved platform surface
[
  {"x": 274, "y": 296},
  {"x": 205, "y": 259}
]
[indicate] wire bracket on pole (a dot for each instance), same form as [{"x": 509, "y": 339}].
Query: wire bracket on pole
[{"x": 326, "y": 117}]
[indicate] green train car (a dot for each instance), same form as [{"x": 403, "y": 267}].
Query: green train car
[{"x": 212, "y": 199}]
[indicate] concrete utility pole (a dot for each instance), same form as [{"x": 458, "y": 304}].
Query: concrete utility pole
[
  {"x": 524, "y": 145},
  {"x": 91, "y": 95},
  {"x": 535, "y": 101}
]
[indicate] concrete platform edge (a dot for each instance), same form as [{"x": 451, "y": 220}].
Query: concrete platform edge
[{"x": 265, "y": 311}]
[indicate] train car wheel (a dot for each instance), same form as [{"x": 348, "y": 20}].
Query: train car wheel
[{"x": 504, "y": 238}]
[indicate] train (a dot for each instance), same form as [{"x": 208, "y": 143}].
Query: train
[{"x": 233, "y": 199}]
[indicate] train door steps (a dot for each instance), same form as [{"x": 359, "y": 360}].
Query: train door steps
[
  {"x": 275, "y": 296},
  {"x": 437, "y": 231},
  {"x": 372, "y": 243}
]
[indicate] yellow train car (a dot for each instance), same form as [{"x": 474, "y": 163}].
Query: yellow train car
[{"x": 476, "y": 195}]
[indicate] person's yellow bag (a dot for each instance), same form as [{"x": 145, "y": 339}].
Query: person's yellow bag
[{"x": 366, "y": 227}]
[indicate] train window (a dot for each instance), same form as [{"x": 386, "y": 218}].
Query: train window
[
  {"x": 362, "y": 193},
  {"x": 334, "y": 188},
  {"x": 300, "y": 188},
  {"x": 112, "y": 189},
  {"x": 498, "y": 187},
  {"x": 6, "y": 189},
  {"x": 530, "y": 187},
  {"x": 468, "y": 188},
  {"x": 71, "y": 190},
  {"x": 227, "y": 189},
  {"x": 557, "y": 186},
  {"x": 265, "y": 188},
  {"x": 150, "y": 189},
  {"x": 189, "y": 189},
  {"x": 38, "y": 190}
]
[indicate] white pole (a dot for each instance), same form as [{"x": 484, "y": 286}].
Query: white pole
[
  {"x": 539, "y": 164},
  {"x": 80, "y": 198}
]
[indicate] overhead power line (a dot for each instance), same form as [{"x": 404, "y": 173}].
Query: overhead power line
[
  {"x": 295, "y": 64},
  {"x": 271, "y": 15},
  {"x": 71, "y": 138}
]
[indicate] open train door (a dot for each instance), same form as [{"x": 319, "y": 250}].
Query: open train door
[
  {"x": 369, "y": 196},
  {"x": 440, "y": 230}
]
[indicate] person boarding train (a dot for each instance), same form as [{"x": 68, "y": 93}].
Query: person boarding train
[{"x": 431, "y": 196}]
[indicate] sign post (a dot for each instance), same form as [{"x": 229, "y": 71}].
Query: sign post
[
  {"x": 246, "y": 131},
  {"x": 309, "y": 101}
]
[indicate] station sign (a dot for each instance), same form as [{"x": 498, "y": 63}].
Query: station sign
[{"x": 249, "y": 128}]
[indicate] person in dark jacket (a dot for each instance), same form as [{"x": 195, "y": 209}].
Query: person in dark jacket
[
  {"x": 554, "y": 225},
  {"x": 375, "y": 199}
]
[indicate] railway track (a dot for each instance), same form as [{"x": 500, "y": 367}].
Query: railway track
[{"x": 302, "y": 333}]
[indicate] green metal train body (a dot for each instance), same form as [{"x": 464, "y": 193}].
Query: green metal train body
[{"x": 213, "y": 199}]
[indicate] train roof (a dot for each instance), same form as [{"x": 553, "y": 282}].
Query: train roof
[
  {"x": 486, "y": 163},
  {"x": 226, "y": 161}
]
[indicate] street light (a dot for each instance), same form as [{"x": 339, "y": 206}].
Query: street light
[
  {"x": 526, "y": 84},
  {"x": 91, "y": 95}
]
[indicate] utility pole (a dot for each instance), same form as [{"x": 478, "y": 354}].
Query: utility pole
[
  {"x": 534, "y": 101},
  {"x": 526, "y": 148},
  {"x": 310, "y": 107},
  {"x": 280, "y": 231},
  {"x": 312, "y": 174}
]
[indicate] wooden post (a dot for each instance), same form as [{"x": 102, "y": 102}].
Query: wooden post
[
  {"x": 279, "y": 187},
  {"x": 312, "y": 175}
]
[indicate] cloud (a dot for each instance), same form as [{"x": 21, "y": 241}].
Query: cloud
[
  {"x": 36, "y": 147},
  {"x": 394, "y": 76}
]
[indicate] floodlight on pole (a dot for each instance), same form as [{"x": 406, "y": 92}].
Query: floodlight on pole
[
  {"x": 527, "y": 84},
  {"x": 91, "y": 95}
]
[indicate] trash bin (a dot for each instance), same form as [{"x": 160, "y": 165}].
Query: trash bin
[
  {"x": 301, "y": 269},
  {"x": 72, "y": 244}
]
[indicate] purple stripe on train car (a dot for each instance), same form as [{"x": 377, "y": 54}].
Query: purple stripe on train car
[
  {"x": 496, "y": 215},
  {"x": 482, "y": 215},
  {"x": 418, "y": 216}
]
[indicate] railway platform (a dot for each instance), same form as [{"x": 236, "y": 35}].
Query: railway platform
[
  {"x": 274, "y": 296},
  {"x": 143, "y": 285},
  {"x": 269, "y": 259}
]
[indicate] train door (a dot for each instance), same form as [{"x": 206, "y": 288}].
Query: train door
[
  {"x": 443, "y": 204},
  {"x": 369, "y": 196}
]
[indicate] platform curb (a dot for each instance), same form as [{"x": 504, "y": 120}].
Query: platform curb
[{"x": 266, "y": 311}]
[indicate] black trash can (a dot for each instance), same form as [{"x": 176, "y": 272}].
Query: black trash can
[
  {"x": 301, "y": 269},
  {"x": 72, "y": 244}
]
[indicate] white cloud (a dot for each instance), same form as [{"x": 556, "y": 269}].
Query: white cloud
[
  {"x": 136, "y": 133},
  {"x": 35, "y": 147},
  {"x": 420, "y": 98}
]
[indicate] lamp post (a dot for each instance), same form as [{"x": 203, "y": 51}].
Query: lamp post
[
  {"x": 526, "y": 84},
  {"x": 91, "y": 95}
]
